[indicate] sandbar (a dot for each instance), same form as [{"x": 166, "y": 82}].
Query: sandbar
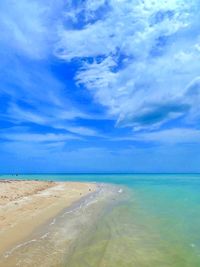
[{"x": 25, "y": 205}]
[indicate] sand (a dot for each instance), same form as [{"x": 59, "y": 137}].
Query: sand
[{"x": 25, "y": 205}]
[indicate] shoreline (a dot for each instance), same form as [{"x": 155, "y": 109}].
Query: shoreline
[{"x": 27, "y": 205}]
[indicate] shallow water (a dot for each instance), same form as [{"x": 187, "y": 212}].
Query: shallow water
[{"x": 154, "y": 222}]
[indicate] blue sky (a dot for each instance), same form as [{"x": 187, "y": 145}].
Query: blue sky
[{"x": 107, "y": 85}]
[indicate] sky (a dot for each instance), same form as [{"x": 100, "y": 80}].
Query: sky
[{"x": 99, "y": 86}]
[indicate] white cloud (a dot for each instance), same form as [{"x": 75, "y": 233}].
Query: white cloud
[
  {"x": 28, "y": 31},
  {"x": 24, "y": 27},
  {"x": 55, "y": 118},
  {"x": 145, "y": 53},
  {"x": 36, "y": 137},
  {"x": 51, "y": 115},
  {"x": 139, "y": 59},
  {"x": 176, "y": 135},
  {"x": 168, "y": 136},
  {"x": 81, "y": 130}
]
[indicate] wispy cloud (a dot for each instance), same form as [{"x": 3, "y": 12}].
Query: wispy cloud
[
  {"x": 33, "y": 92},
  {"x": 140, "y": 70},
  {"x": 35, "y": 137},
  {"x": 139, "y": 57},
  {"x": 24, "y": 27},
  {"x": 166, "y": 136},
  {"x": 84, "y": 131},
  {"x": 78, "y": 75}
]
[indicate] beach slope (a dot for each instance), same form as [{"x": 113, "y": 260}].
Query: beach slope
[{"x": 25, "y": 205}]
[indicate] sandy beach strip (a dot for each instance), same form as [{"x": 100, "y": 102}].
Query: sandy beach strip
[{"x": 25, "y": 205}]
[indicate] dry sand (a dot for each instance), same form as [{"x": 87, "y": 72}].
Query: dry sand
[{"x": 25, "y": 205}]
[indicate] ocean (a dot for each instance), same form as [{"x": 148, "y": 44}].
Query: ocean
[{"x": 154, "y": 222}]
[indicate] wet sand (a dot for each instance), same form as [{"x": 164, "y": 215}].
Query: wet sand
[{"x": 25, "y": 205}]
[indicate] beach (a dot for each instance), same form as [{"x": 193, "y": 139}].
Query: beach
[{"x": 26, "y": 205}]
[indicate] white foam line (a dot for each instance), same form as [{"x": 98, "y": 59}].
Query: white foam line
[
  {"x": 53, "y": 221},
  {"x": 84, "y": 203},
  {"x": 7, "y": 254},
  {"x": 45, "y": 235},
  {"x": 70, "y": 211}
]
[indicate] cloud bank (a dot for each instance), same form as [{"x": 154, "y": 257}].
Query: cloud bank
[{"x": 139, "y": 58}]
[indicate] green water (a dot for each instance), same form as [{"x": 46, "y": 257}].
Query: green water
[
  {"x": 155, "y": 227},
  {"x": 155, "y": 223}
]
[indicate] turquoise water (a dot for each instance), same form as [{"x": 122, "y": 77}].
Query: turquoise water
[{"x": 157, "y": 224}]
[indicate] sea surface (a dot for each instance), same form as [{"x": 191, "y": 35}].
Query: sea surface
[{"x": 154, "y": 221}]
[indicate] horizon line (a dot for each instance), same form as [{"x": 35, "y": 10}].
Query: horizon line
[{"x": 79, "y": 173}]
